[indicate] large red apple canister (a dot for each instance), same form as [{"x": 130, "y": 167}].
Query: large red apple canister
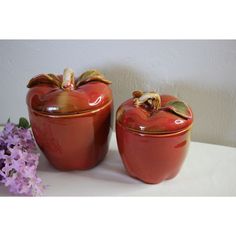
[
  {"x": 71, "y": 117},
  {"x": 153, "y": 135}
]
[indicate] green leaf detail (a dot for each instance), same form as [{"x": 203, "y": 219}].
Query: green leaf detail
[
  {"x": 44, "y": 79},
  {"x": 9, "y": 120},
  {"x": 90, "y": 76},
  {"x": 24, "y": 123},
  {"x": 179, "y": 108}
]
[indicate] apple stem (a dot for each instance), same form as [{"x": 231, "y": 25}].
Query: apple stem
[
  {"x": 152, "y": 99},
  {"x": 68, "y": 79}
]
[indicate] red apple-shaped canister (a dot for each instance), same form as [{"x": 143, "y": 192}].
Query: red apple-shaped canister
[
  {"x": 70, "y": 117},
  {"x": 153, "y": 135}
]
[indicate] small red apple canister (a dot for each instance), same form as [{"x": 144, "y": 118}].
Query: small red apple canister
[
  {"x": 70, "y": 117},
  {"x": 153, "y": 135}
]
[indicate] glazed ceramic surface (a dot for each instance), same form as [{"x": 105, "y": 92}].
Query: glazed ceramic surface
[
  {"x": 71, "y": 118},
  {"x": 153, "y": 135}
]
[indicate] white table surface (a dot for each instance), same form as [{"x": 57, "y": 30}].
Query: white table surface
[{"x": 209, "y": 170}]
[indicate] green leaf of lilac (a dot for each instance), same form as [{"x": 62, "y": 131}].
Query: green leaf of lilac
[
  {"x": 24, "y": 123},
  {"x": 179, "y": 108},
  {"x": 9, "y": 120}
]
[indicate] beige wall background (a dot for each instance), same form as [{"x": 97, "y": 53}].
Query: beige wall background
[{"x": 203, "y": 73}]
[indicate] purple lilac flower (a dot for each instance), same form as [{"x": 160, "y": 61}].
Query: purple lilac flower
[{"x": 19, "y": 160}]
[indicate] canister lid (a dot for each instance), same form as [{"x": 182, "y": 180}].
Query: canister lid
[
  {"x": 151, "y": 113},
  {"x": 64, "y": 95}
]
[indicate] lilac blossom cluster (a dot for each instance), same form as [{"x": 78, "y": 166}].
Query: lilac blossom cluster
[{"x": 19, "y": 160}]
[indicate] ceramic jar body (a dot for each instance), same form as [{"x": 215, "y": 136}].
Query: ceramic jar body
[
  {"x": 71, "y": 117},
  {"x": 153, "y": 135},
  {"x": 152, "y": 158},
  {"x": 73, "y": 142}
]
